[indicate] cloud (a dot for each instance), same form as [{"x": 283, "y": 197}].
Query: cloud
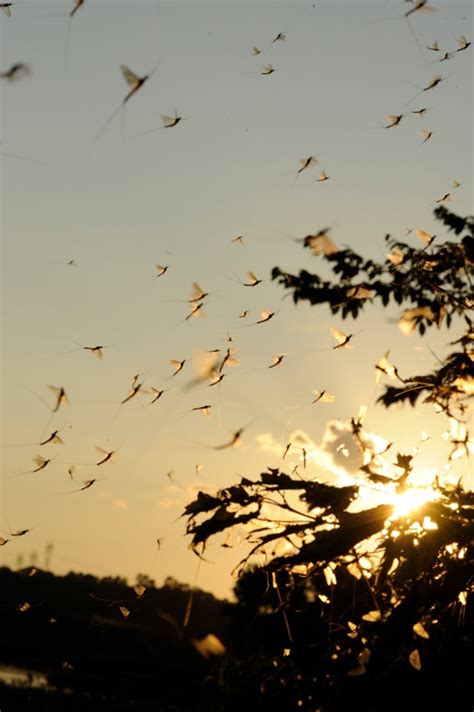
[{"x": 336, "y": 458}]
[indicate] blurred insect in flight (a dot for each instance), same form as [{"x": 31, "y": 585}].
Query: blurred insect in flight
[
  {"x": 53, "y": 438},
  {"x": 61, "y": 397},
  {"x": 342, "y": 339},
  {"x": 5, "y": 6},
  {"x": 446, "y": 56},
  {"x": 197, "y": 293},
  {"x": 107, "y": 455},
  {"x": 462, "y": 43},
  {"x": 323, "y": 396},
  {"x": 393, "y": 120},
  {"x": 421, "y": 6},
  {"x": 157, "y": 394},
  {"x": 177, "y": 365},
  {"x": 437, "y": 79},
  {"x": 16, "y": 71},
  {"x": 135, "y": 82},
  {"x": 420, "y": 112},
  {"x": 41, "y": 462},
  {"x": 132, "y": 393},
  {"x": 161, "y": 270},
  {"x": 322, "y": 177},
  {"x": 252, "y": 280},
  {"x": 168, "y": 122},
  {"x": 234, "y": 442},
  {"x": 277, "y": 360},
  {"x": 94, "y": 350},
  {"x": 425, "y": 237}
]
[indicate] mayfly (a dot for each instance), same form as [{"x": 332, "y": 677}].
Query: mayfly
[
  {"x": 229, "y": 360},
  {"x": 323, "y": 396},
  {"x": 132, "y": 393},
  {"x": 54, "y": 439},
  {"x": 280, "y": 37},
  {"x": 197, "y": 294},
  {"x": 306, "y": 163},
  {"x": 196, "y": 310},
  {"x": 433, "y": 47},
  {"x": 16, "y": 71},
  {"x": 393, "y": 120},
  {"x": 203, "y": 409},
  {"x": 427, "y": 135},
  {"x": 61, "y": 397},
  {"x": 217, "y": 378},
  {"x": 420, "y": 112},
  {"x": 447, "y": 198},
  {"x": 267, "y": 69},
  {"x": 20, "y": 532},
  {"x": 421, "y": 6},
  {"x": 161, "y": 270},
  {"x": 320, "y": 243},
  {"x": 463, "y": 43},
  {"x": 264, "y": 316},
  {"x": 107, "y": 455},
  {"x": 96, "y": 351},
  {"x": 234, "y": 442},
  {"x": 239, "y": 240},
  {"x": 77, "y": 5},
  {"x": 425, "y": 237},
  {"x": 256, "y": 51},
  {"x": 5, "y": 6},
  {"x": 342, "y": 339},
  {"x": 177, "y": 365},
  {"x": 252, "y": 280},
  {"x": 276, "y": 361},
  {"x": 322, "y": 177},
  {"x": 156, "y": 394},
  {"x": 168, "y": 122},
  {"x": 86, "y": 485},
  {"x": 447, "y": 56},
  {"x": 437, "y": 79},
  {"x": 135, "y": 82},
  {"x": 41, "y": 463}
]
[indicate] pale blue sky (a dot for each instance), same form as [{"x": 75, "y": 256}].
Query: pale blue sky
[{"x": 178, "y": 196}]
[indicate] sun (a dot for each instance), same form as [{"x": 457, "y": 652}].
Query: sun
[{"x": 412, "y": 499}]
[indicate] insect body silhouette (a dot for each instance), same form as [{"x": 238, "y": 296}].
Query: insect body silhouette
[
  {"x": 16, "y": 71},
  {"x": 135, "y": 82}
]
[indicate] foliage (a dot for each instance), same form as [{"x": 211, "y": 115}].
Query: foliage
[{"x": 363, "y": 596}]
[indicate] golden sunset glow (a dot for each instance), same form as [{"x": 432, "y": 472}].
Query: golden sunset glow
[{"x": 411, "y": 500}]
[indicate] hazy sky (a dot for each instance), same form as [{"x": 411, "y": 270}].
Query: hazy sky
[{"x": 177, "y": 197}]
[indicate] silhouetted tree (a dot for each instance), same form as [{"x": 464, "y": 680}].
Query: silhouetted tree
[{"x": 349, "y": 605}]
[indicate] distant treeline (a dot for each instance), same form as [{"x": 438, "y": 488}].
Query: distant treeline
[{"x": 106, "y": 640}]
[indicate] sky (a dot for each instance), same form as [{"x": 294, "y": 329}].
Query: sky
[{"x": 120, "y": 197}]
